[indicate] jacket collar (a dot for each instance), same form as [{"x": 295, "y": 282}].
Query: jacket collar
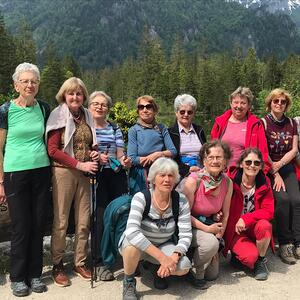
[{"x": 260, "y": 179}]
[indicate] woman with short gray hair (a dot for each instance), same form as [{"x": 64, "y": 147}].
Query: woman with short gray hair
[
  {"x": 187, "y": 137},
  {"x": 151, "y": 238},
  {"x": 25, "y": 178}
]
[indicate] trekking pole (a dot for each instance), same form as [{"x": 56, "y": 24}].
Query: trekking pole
[{"x": 93, "y": 183}]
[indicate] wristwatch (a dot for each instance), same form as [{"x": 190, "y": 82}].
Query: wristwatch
[{"x": 179, "y": 254}]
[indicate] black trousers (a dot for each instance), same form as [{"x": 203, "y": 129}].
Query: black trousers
[
  {"x": 28, "y": 198},
  {"x": 110, "y": 186},
  {"x": 287, "y": 207}
]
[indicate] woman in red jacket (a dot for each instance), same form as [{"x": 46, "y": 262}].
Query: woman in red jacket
[
  {"x": 239, "y": 128},
  {"x": 249, "y": 232}
]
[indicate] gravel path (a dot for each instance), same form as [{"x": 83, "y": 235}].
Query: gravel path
[{"x": 283, "y": 283}]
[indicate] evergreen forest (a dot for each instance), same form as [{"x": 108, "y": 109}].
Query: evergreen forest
[{"x": 158, "y": 56}]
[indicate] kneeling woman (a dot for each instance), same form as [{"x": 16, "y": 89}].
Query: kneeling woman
[
  {"x": 249, "y": 231},
  {"x": 209, "y": 193},
  {"x": 151, "y": 238}
]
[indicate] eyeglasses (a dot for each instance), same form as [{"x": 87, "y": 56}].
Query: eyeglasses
[
  {"x": 279, "y": 101},
  {"x": 27, "y": 82},
  {"x": 97, "y": 104},
  {"x": 249, "y": 163},
  {"x": 183, "y": 112},
  {"x": 212, "y": 158},
  {"x": 147, "y": 106}
]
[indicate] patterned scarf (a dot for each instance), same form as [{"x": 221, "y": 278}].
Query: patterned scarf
[
  {"x": 147, "y": 125},
  {"x": 210, "y": 183}
]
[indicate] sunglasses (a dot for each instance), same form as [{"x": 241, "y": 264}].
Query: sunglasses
[
  {"x": 279, "y": 101},
  {"x": 249, "y": 162},
  {"x": 147, "y": 106},
  {"x": 183, "y": 112}
]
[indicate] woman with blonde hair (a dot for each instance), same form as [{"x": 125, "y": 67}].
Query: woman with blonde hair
[
  {"x": 282, "y": 137},
  {"x": 71, "y": 146}
]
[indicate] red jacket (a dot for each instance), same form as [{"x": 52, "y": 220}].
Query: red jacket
[
  {"x": 255, "y": 134},
  {"x": 263, "y": 202}
]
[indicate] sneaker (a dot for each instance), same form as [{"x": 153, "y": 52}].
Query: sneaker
[
  {"x": 260, "y": 269},
  {"x": 19, "y": 288},
  {"x": 83, "y": 272},
  {"x": 105, "y": 274},
  {"x": 160, "y": 283},
  {"x": 286, "y": 253},
  {"x": 199, "y": 284},
  {"x": 129, "y": 290},
  {"x": 37, "y": 285},
  {"x": 59, "y": 275},
  {"x": 297, "y": 251}
]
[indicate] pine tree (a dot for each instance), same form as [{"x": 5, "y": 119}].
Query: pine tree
[
  {"x": 8, "y": 60},
  {"x": 25, "y": 44}
]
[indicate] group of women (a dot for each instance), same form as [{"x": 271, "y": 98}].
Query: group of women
[{"x": 226, "y": 199}]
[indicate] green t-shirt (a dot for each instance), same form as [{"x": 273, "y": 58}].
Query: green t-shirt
[{"x": 25, "y": 147}]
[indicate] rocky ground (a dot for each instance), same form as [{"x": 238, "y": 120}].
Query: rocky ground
[{"x": 283, "y": 283}]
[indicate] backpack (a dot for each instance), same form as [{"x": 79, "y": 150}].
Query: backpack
[{"x": 115, "y": 221}]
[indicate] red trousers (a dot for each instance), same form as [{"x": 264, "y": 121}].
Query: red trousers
[{"x": 244, "y": 245}]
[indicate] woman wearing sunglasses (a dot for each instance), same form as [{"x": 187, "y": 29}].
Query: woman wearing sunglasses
[
  {"x": 282, "y": 137},
  {"x": 147, "y": 141},
  {"x": 187, "y": 137},
  {"x": 239, "y": 128},
  {"x": 249, "y": 232}
]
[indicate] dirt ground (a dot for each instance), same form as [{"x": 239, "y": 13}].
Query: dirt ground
[{"x": 283, "y": 283}]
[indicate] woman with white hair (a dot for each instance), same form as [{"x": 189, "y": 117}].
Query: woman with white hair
[
  {"x": 151, "y": 238},
  {"x": 187, "y": 137},
  {"x": 25, "y": 178}
]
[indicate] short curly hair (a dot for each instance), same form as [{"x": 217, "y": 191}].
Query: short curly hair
[{"x": 205, "y": 150}]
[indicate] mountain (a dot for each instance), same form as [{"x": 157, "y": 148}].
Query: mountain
[
  {"x": 271, "y": 5},
  {"x": 105, "y": 32}
]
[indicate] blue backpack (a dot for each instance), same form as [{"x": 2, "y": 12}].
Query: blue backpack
[{"x": 115, "y": 221}]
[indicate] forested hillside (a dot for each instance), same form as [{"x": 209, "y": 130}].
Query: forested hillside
[{"x": 100, "y": 33}]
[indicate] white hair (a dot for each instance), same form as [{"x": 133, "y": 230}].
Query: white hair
[
  {"x": 103, "y": 94},
  {"x": 26, "y": 67},
  {"x": 163, "y": 165},
  {"x": 185, "y": 99}
]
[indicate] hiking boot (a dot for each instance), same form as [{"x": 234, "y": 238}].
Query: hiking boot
[
  {"x": 260, "y": 269},
  {"x": 297, "y": 251},
  {"x": 83, "y": 272},
  {"x": 37, "y": 285},
  {"x": 129, "y": 289},
  {"x": 19, "y": 288},
  {"x": 199, "y": 284},
  {"x": 160, "y": 283},
  {"x": 59, "y": 275},
  {"x": 105, "y": 274},
  {"x": 235, "y": 262},
  {"x": 286, "y": 253}
]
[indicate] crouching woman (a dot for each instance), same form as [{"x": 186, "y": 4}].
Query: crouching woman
[
  {"x": 151, "y": 238},
  {"x": 249, "y": 232}
]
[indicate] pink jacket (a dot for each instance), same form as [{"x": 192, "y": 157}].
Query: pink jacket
[{"x": 255, "y": 134}]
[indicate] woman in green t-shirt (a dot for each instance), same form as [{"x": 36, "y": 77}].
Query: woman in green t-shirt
[{"x": 25, "y": 178}]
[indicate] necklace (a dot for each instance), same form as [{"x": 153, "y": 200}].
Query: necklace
[
  {"x": 157, "y": 205},
  {"x": 247, "y": 186},
  {"x": 76, "y": 116}
]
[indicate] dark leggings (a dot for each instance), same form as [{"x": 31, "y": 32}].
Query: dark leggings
[
  {"x": 28, "y": 198},
  {"x": 287, "y": 207},
  {"x": 110, "y": 186}
]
